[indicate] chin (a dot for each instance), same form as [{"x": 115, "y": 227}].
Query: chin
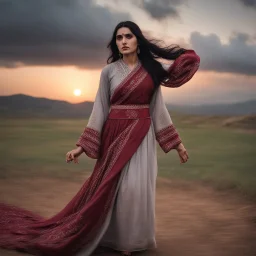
[{"x": 128, "y": 52}]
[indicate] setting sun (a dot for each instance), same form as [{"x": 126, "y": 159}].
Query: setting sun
[{"x": 77, "y": 92}]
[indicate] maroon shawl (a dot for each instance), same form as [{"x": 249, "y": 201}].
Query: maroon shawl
[{"x": 80, "y": 221}]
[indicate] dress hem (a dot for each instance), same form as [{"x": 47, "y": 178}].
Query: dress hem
[{"x": 124, "y": 250}]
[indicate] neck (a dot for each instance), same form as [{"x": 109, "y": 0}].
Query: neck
[{"x": 130, "y": 59}]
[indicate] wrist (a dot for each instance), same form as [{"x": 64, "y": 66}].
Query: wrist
[
  {"x": 178, "y": 145},
  {"x": 80, "y": 149}
]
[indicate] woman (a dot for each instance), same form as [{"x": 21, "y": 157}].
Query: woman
[{"x": 115, "y": 206}]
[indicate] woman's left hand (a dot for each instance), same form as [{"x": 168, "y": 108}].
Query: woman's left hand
[{"x": 182, "y": 153}]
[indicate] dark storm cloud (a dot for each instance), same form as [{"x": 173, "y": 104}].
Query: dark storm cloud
[
  {"x": 160, "y": 9},
  {"x": 238, "y": 56},
  {"x": 249, "y": 3},
  {"x": 55, "y": 32}
]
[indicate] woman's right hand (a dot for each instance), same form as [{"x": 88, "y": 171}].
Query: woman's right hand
[
  {"x": 182, "y": 153},
  {"x": 74, "y": 154}
]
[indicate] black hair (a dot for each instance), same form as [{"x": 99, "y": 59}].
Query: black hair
[{"x": 150, "y": 50}]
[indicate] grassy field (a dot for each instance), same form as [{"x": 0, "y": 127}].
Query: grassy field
[{"x": 223, "y": 156}]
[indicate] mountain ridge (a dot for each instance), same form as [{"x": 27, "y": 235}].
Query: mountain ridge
[{"x": 22, "y": 105}]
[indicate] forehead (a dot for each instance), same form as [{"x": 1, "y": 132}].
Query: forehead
[{"x": 122, "y": 31}]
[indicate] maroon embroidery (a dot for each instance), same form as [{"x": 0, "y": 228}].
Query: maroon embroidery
[
  {"x": 90, "y": 142},
  {"x": 128, "y": 85},
  {"x": 131, "y": 113},
  {"x": 126, "y": 79},
  {"x": 183, "y": 69},
  {"x": 168, "y": 138},
  {"x": 124, "y": 112},
  {"x": 133, "y": 106}
]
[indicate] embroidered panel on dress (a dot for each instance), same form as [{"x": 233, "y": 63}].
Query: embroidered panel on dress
[
  {"x": 183, "y": 69},
  {"x": 127, "y": 87},
  {"x": 168, "y": 138},
  {"x": 126, "y": 75},
  {"x": 90, "y": 142},
  {"x": 129, "y": 106}
]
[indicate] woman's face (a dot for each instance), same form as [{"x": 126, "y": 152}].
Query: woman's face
[{"x": 126, "y": 41}]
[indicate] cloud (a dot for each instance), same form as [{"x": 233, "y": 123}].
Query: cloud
[
  {"x": 236, "y": 57},
  {"x": 160, "y": 9},
  {"x": 249, "y": 3},
  {"x": 55, "y": 32}
]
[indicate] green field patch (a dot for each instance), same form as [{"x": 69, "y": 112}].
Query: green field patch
[{"x": 223, "y": 156}]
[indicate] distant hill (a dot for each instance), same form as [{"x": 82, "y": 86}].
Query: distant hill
[
  {"x": 21, "y": 105},
  {"x": 241, "y": 108},
  {"x": 244, "y": 122}
]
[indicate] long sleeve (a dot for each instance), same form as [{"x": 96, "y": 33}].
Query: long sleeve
[
  {"x": 90, "y": 139},
  {"x": 165, "y": 131},
  {"x": 182, "y": 69}
]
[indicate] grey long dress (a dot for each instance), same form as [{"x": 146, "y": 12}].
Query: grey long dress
[{"x": 130, "y": 225}]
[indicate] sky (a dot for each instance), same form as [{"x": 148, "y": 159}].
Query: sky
[{"x": 49, "y": 48}]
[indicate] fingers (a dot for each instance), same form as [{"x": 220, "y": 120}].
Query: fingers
[
  {"x": 183, "y": 156},
  {"x": 186, "y": 156},
  {"x": 75, "y": 160},
  {"x": 70, "y": 156}
]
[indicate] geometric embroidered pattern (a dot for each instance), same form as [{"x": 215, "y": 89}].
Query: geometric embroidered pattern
[
  {"x": 90, "y": 142},
  {"x": 168, "y": 138},
  {"x": 100, "y": 173},
  {"x": 132, "y": 106},
  {"x": 183, "y": 69},
  {"x": 129, "y": 84}
]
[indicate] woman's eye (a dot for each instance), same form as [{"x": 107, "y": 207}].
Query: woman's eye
[
  {"x": 119, "y": 37},
  {"x": 129, "y": 36}
]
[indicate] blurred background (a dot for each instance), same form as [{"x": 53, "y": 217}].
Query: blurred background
[{"x": 51, "y": 56}]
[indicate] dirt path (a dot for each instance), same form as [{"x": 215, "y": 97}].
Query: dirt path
[{"x": 192, "y": 219}]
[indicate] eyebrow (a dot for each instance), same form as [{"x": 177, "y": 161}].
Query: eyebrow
[{"x": 124, "y": 34}]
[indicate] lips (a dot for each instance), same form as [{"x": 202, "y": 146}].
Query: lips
[{"x": 125, "y": 48}]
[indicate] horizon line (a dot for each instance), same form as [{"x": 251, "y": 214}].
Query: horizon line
[{"x": 167, "y": 103}]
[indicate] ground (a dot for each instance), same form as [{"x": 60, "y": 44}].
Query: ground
[{"x": 192, "y": 218}]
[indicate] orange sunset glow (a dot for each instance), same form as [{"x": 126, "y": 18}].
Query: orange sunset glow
[
  {"x": 77, "y": 92},
  {"x": 61, "y": 82},
  {"x": 51, "y": 82},
  {"x": 56, "y": 69}
]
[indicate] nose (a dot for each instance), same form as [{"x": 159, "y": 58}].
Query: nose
[{"x": 124, "y": 40}]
